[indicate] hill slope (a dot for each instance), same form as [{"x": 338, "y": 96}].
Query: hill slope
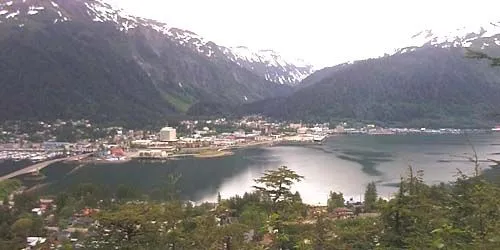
[
  {"x": 429, "y": 84},
  {"x": 85, "y": 59}
]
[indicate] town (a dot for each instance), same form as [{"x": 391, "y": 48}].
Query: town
[
  {"x": 40, "y": 141},
  {"x": 72, "y": 220}
]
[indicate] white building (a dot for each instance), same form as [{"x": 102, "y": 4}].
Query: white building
[
  {"x": 302, "y": 130},
  {"x": 168, "y": 134},
  {"x": 144, "y": 143},
  {"x": 34, "y": 241}
]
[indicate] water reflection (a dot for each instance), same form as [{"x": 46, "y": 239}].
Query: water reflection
[{"x": 344, "y": 163}]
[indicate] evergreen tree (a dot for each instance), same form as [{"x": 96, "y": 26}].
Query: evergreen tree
[
  {"x": 335, "y": 200},
  {"x": 276, "y": 184},
  {"x": 409, "y": 218},
  {"x": 370, "y": 197}
]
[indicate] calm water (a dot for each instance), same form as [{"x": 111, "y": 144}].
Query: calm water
[
  {"x": 8, "y": 166},
  {"x": 343, "y": 163}
]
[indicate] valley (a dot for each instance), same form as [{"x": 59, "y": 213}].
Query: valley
[{"x": 192, "y": 124}]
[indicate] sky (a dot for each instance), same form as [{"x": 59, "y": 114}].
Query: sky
[{"x": 322, "y": 32}]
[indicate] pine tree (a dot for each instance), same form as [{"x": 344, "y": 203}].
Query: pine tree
[
  {"x": 370, "y": 197},
  {"x": 277, "y": 184}
]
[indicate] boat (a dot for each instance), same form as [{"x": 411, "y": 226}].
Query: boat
[
  {"x": 319, "y": 138},
  {"x": 496, "y": 129}
]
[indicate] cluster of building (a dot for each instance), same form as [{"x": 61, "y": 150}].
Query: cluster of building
[
  {"x": 118, "y": 144},
  {"x": 372, "y": 129},
  {"x": 221, "y": 135},
  {"x": 37, "y": 141},
  {"x": 78, "y": 224}
]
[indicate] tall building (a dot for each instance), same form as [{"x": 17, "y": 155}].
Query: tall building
[{"x": 168, "y": 134}]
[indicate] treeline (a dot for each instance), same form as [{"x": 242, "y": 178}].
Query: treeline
[{"x": 464, "y": 214}]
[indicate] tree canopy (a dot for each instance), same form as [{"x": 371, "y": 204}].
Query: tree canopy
[{"x": 277, "y": 183}]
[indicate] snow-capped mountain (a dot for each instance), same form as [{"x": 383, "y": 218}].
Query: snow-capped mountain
[
  {"x": 477, "y": 37},
  {"x": 430, "y": 82},
  {"x": 85, "y": 58},
  {"x": 265, "y": 63},
  {"x": 270, "y": 64}
]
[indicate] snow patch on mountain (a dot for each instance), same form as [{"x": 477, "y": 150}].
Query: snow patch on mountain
[
  {"x": 462, "y": 37},
  {"x": 273, "y": 66},
  {"x": 18, "y": 10},
  {"x": 279, "y": 70},
  {"x": 267, "y": 63}
]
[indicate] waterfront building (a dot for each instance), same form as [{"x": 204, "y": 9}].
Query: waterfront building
[
  {"x": 168, "y": 134},
  {"x": 302, "y": 130}
]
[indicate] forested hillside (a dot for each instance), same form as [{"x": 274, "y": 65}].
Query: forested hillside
[
  {"x": 85, "y": 59},
  {"x": 429, "y": 87}
]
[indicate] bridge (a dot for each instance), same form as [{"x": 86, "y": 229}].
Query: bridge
[{"x": 41, "y": 165}]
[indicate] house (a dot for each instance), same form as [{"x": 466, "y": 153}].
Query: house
[
  {"x": 34, "y": 241},
  {"x": 117, "y": 152},
  {"x": 46, "y": 204},
  {"x": 302, "y": 130},
  {"x": 343, "y": 213},
  {"x": 86, "y": 212},
  {"x": 37, "y": 211},
  {"x": 156, "y": 153},
  {"x": 141, "y": 143}
]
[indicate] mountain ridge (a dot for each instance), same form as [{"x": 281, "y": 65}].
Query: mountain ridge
[
  {"x": 433, "y": 84},
  {"x": 166, "y": 70},
  {"x": 280, "y": 70}
]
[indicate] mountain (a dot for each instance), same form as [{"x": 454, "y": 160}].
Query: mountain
[
  {"x": 270, "y": 64},
  {"x": 430, "y": 83},
  {"x": 86, "y": 59}
]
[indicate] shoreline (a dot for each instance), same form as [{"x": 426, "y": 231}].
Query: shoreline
[
  {"x": 198, "y": 153},
  {"x": 215, "y": 154}
]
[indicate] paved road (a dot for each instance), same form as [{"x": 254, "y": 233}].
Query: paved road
[{"x": 40, "y": 166}]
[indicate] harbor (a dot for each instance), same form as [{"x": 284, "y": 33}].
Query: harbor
[{"x": 33, "y": 156}]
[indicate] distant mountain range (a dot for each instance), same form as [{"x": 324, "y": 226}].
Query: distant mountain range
[
  {"x": 85, "y": 59},
  {"x": 270, "y": 64},
  {"x": 429, "y": 83}
]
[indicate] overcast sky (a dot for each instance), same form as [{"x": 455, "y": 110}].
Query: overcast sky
[{"x": 322, "y": 32}]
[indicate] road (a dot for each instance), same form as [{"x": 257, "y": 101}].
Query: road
[{"x": 41, "y": 165}]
